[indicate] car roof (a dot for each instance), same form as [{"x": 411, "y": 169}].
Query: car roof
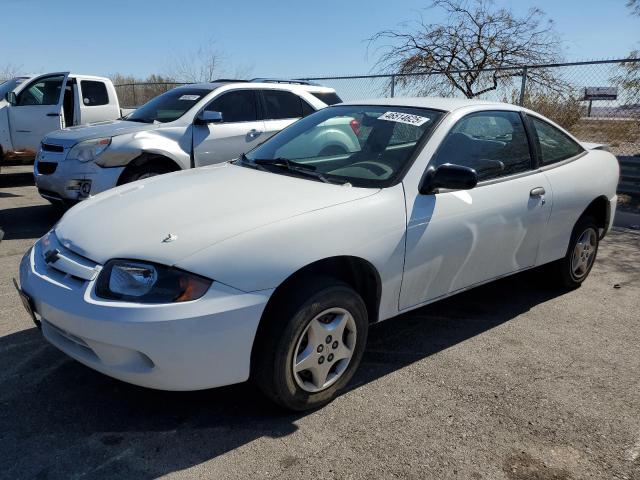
[
  {"x": 435, "y": 103},
  {"x": 266, "y": 85}
]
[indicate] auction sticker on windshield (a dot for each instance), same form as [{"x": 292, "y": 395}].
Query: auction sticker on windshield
[
  {"x": 189, "y": 97},
  {"x": 407, "y": 118}
]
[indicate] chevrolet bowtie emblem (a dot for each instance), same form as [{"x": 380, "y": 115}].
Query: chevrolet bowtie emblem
[
  {"x": 51, "y": 256},
  {"x": 170, "y": 238}
]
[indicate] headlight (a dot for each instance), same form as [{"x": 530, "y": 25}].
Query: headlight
[
  {"x": 143, "y": 282},
  {"x": 89, "y": 149}
]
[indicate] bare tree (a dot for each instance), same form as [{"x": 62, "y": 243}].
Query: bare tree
[
  {"x": 201, "y": 65},
  {"x": 475, "y": 36},
  {"x": 204, "y": 64},
  {"x": 634, "y": 5},
  {"x": 9, "y": 70}
]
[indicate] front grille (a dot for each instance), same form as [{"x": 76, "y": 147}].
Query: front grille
[
  {"x": 46, "y": 168},
  {"x": 47, "y": 147}
]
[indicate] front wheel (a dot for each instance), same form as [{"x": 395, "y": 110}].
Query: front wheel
[
  {"x": 312, "y": 345},
  {"x": 143, "y": 171},
  {"x": 574, "y": 268}
]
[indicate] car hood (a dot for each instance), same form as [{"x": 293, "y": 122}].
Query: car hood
[
  {"x": 166, "y": 218},
  {"x": 111, "y": 128}
]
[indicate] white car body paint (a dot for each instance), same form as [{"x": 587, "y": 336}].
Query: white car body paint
[
  {"x": 22, "y": 127},
  {"x": 250, "y": 230}
]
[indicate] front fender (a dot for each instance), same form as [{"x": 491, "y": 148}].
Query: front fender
[
  {"x": 372, "y": 228},
  {"x": 172, "y": 144}
]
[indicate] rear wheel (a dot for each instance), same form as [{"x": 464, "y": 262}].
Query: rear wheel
[
  {"x": 312, "y": 345},
  {"x": 574, "y": 268}
]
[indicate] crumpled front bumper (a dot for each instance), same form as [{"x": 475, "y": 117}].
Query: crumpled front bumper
[{"x": 73, "y": 180}]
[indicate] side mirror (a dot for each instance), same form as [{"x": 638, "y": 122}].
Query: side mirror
[
  {"x": 454, "y": 177},
  {"x": 205, "y": 117},
  {"x": 11, "y": 98}
]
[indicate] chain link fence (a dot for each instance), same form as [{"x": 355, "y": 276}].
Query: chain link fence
[{"x": 557, "y": 91}]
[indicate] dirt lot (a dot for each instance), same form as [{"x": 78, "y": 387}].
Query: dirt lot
[{"x": 509, "y": 381}]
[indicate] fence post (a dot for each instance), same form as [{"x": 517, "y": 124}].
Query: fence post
[
  {"x": 523, "y": 85},
  {"x": 133, "y": 87},
  {"x": 393, "y": 85}
]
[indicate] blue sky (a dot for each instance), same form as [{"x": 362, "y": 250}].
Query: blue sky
[{"x": 271, "y": 38}]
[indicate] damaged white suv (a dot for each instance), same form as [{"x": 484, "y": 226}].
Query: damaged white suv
[{"x": 186, "y": 127}]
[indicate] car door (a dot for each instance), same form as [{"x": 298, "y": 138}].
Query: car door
[
  {"x": 281, "y": 109},
  {"x": 241, "y": 128},
  {"x": 38, "y": 110},
  {"x": 457, "y": 239}
]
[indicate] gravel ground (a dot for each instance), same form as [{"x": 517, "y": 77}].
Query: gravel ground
[{"x": 512, "y": 380}]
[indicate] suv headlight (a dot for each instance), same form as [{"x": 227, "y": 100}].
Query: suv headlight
[
  {"x": 142, "y": 282},
  {"x": 89, "y": 149}
]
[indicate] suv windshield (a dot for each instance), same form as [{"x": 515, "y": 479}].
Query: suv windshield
[
  {"x": 367, "y": 146},
  {"x": 9, "y": 86},
  {"x": 169, "y": 106}
]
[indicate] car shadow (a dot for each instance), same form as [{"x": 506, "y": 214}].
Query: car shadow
[
  {"x": 28, "y": 222},
  {"x": 60, "y": 419},
  {"x": 20, "y": 179}
]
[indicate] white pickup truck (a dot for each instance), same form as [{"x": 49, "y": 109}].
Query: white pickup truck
[{"x": 50, "y": 102}]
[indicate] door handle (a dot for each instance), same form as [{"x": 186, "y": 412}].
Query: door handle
[
  {"x": 537, "y": 192},
  {"x": 53, "y": 114},
  {"x": 253, "y": 133}
]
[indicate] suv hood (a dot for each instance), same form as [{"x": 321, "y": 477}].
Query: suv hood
[
  {"x": 167, "y": 218},
  {"x": 111, "y": 128}
]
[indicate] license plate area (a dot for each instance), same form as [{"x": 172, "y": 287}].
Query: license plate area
[{"x": 28, "y": 304}]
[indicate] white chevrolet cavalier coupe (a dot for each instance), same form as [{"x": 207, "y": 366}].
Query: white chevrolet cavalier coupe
[{"x": 273, "y": 266}]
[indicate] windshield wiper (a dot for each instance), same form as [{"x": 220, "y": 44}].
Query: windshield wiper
[
  {"x": 250, "y": 163},
  {"x": 292, "y": 166}
]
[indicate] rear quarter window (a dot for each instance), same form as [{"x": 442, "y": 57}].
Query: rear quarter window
[
  {"x": 330, "y": 98},
  {"x": 554, "y": 145}
]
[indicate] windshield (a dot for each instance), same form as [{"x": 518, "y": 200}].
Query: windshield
[
  {"x": 366, "y": 146},
  {"x": 169, "y": 106},
  {"x": 10, "y": 85}
]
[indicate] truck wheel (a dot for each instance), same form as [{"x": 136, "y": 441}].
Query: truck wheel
[
  {"x": 574, "y": 268},
  {"x": 144, "y": 171},
  {"x": 312, "y": 345}
]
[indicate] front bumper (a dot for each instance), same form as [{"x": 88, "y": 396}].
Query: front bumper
[
  {"x": 64, "y": 184},
  {"x": 185, "y": 346}
]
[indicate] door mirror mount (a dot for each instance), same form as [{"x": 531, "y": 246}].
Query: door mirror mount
[
  {"x": 11, "y": 98},
  {"x": 450, "y": 176},
  {"x": 205, "y": 117}
]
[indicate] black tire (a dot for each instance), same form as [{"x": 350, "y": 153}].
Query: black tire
[
  {"x": 145, "y": 170},
  {"x": 287, "y": 321},
  {"x": 565, "y": 273}
]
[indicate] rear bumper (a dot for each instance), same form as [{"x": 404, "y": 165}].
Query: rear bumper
[
  {"x": 611, "y": 213},
  {"x": 186, "y": 346}
]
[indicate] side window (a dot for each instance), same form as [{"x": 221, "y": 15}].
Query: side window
[
  {"x": 281, "y": 104},
  {"x": 555, "y": 146},
  {"x": 45, "y": 91},
  {"x": 94, "y": 93},
  {"x": 494, "y": 143},
  {"x": 237, "y": 106},
  {"x": 306, "y": 108}
]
